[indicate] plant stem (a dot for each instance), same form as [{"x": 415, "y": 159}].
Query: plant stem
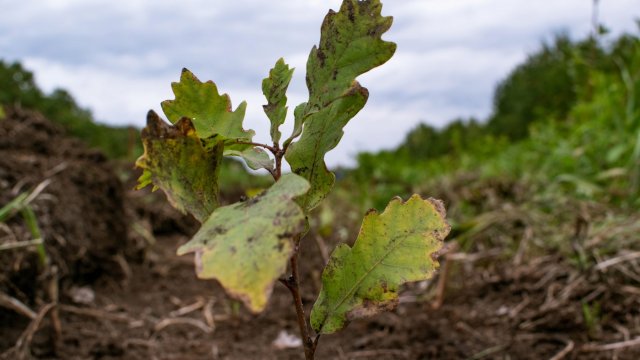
[
  {"x": 278, "y": 170},
  {"x": 293, "y": 282},
  {"x": 270, "y": 148},
  {"x": 32, "y": 224},
  {"x": 294, "y": 287}
]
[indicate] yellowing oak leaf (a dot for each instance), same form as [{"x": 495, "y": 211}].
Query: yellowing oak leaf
[
  {"x": 246, "y": 246},
  {"x": 175, "y": 161},
  {"x": 392, "y": 248}
]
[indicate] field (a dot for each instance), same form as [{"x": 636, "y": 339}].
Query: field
[{"x": 514, "y": 284}]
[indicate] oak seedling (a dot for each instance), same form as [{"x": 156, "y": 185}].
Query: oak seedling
[{"x": 251, "y": 245}]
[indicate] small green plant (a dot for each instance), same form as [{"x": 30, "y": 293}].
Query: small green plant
[
  {"x": 250, "y": 245},
  {"x": 592, "y": 315},
  {"x": 21, "y": 204}
]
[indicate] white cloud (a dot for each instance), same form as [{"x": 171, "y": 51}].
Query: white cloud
[
  {"x": 119, "y": 58},
  {"x": 114, "y": 97}
]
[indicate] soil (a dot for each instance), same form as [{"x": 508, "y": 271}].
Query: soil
[
  {"x": 124, "y": 294},
  {"x": 80, "y": 209}
]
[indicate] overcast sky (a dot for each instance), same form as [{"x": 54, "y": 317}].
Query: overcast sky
[{"x": 118, "y": 58}]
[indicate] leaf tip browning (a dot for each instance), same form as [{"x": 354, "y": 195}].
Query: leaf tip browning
[
  {"x": 370, "y": 212},
  {"x": 175, "y": 161},
  {"x": 438, "y": 205}
]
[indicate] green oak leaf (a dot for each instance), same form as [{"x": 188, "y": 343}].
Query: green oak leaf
[
  {"x": 213, "y": 118},
  {"x": 274, "y": 89},
  {"x": 299, "y": 117},
  {"x": 306, "y": 156},
  {"x": 350, "y": 45},
  {"x": 392, "y": 248},
  {"x": 209, "y": 111},
  {"x": 175, "y": 161},
  {"x": 255, "y": 157},
  {"x": 246, "y": 246}
]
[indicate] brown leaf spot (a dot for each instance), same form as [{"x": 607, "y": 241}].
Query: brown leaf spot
[
  {"x": 280, "y": 246},
  {"x": 219, "y": 230},
  {"x": 370, "y": 308},
  {"x": 321, "y": 57},
  {"x": 350, "y": 11}
]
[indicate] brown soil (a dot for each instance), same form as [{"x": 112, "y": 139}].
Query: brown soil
[
  {"x": 80, "y": 211},
  {"x": 120, "y": 245}
]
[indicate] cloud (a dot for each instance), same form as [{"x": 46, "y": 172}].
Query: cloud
[
  {"x": 119, "y": 58},
  {"x": 114, "y": 97}
]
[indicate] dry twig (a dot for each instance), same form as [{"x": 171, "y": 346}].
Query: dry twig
[
  {"x": 21, "y": 350},
  {"x": 54, "y": 296},
  {"x": 16, "y": 305},
  {"x": 395, "y": 354},
  {"x": 96, "y": 313},
  {"x": 183, "y": 321},
  {"x": 207, "y": 312},
  {"x": 617, "y": 260},
  {"x": 611, "y": 346},
  {"x": 564, "y": 352},
  {"x": 486, "y": 352},
  {"x": 189, "y": 308},
  {"x": 323, "y": 248}
]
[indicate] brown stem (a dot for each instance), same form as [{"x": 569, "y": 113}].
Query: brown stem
[
  {"x": 270, "y": 148},
  {"x": 294, "y": 287},
  {"x": 278, "y": 170},
  {"x": 273, "y": 174},
  {"x": 293, "y": 282},
  {"x": 315, "y": 342}
]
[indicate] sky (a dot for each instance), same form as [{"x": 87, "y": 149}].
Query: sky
[{"x": 118, "y": 58}]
